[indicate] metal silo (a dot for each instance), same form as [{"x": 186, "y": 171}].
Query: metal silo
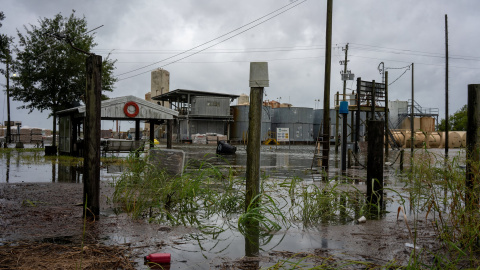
[
  {"x": 239, "y": 127},
  {"x": 299, "y": 121}
]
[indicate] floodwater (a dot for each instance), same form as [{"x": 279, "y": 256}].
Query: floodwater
[{"x": 194, "y": 249}]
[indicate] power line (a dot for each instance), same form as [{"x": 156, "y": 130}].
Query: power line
[
  {"x": 406, "y": 69},
  {"x": 234, "y": 61},
  {"x": 413, "y": 52},
  {"x": 294, "y": 3},
  {"x": 232, "y": 50}
]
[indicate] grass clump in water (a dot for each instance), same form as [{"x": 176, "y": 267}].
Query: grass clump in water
[
  {"x": 145, "y": 191},
  {"x": 437, "y": 192}
]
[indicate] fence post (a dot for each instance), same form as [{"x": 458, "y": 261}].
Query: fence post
[{"x": 375, "y": 162}]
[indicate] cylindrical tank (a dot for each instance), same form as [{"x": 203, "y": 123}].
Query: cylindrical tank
[
  {"x": 419, "y": 139},
  {"x": 454, "y": 140},
  {"x": 299, "y": 120},
  {"x": 407, "y": 136},
  {"x": 463, "y": 138},
  {"x": 434, "y": 140},
  {"x": 427, "y": 124},
  {"x": 399, "y": 138},
  {"x": 239, "y": 127}
]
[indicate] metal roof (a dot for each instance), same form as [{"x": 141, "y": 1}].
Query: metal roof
[
  {"x": 114, "y": 109},
  {"x": 181, "y": 95}
]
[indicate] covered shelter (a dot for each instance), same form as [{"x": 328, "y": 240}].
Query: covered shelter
[
  {"x": 199, "y": 111},
  {"x": 126, "y": 108}
]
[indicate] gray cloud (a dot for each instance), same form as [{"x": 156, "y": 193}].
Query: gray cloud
[{"x": 395, "y": 32}]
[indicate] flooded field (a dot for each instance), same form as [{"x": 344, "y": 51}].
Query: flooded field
[{"x": 316, "y": 213}]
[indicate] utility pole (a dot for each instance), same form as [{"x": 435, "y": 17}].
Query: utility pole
[
  {"x": 446, "y": 87},
  {"x": 9, "y": 131},
  {"x": 344, "y": 116},
  {"x": 386, "y": 114},
  {"x": 412, "y": 126},
  {"x": 326, "y": 90}
]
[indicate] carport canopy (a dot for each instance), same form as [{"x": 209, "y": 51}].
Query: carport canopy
[{"x": 129, "y": 108}]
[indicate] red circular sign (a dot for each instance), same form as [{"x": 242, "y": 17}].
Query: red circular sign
[{"x": 128, "y": 104}]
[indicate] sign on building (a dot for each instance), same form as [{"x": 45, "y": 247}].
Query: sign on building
[{"x": 283, "y": 135}]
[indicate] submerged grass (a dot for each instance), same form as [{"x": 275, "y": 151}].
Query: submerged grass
[
  {"x": 437, "y": 192},
  {"x": 205, "y": 193}
]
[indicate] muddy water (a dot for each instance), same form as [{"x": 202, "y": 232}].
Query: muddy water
[{"x": 194, "y": 249}]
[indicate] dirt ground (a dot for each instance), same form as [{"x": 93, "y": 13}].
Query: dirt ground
[{"x": 44, "y": 220}]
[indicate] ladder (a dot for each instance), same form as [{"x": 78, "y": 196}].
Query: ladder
[{"x": 321, "y": 153}]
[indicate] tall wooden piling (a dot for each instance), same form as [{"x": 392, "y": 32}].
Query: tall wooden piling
[
  {"x": 91, "y": 175},
  {"x": 258, "y": 80},
  {"x": 473, "y": 144},
  {"x": 169, "y": 133},
  {"x": 375, "y": 162},
  {"x": 402, "y": 152}
]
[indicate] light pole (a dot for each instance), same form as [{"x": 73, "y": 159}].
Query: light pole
[{"x": 9, "y": 135}]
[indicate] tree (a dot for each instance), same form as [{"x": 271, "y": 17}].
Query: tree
[
  {"x": 5, "y": 43},
  {"x": 51, "y": 74},
  {"x": 456, "y": 122},
  {"x": 6, "y": 58}
]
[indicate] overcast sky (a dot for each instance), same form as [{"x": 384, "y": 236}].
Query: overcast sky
[{"x": 398, "y": 33}]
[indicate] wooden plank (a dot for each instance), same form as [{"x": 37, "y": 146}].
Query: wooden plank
[{"x": 170, "y": 160}]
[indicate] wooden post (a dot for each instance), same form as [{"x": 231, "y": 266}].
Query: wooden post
[
  {"x": 337, "y": 141},
  {"x": 401, "y": 159},
  {"x": 169, "y": 133},
  {"x": 446, "y": 87},
  {"x": 152, "y": 134},
  {"x": 137, "y": 130},
  {"x": 387, "y": 146},
  {"x": 326, "y": 88},
  {"x": 412, "y": 120},
  {"x": 357, "y": 122},
  {"x": 349, "y": 158},
  {"x": 372, "y": 117},
  {"x": 258, "y": 79},
  {"x": 91, "y": 175},
  {"x": 473, "y": 144},
  {"x": 375, "y": 162},
  {"x": 8, "y": 138}
]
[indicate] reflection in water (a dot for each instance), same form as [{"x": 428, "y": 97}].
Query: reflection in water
[
  {"x": 252, "y": 239},
  {"x": 8, "y": 167},
  {"x": 69, "y": 173},
  {"x": 53, "y": 170},
  {"x": 115, "y": 168}
]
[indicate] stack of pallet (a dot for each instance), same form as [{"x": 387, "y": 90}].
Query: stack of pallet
[
  {"x": 199, "y": 139},
  {"x": 36, "y": 135},
  {"x": 211, "y": 138},
  {"x": 25, "y": 135}
]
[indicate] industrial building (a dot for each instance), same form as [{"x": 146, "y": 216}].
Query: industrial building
[{"x": 200, "y": 112}]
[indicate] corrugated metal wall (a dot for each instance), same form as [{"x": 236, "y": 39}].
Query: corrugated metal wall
[
  {"x": 240, "y": 125},
  {"x": 299, "y": 121},
  {"x": 205, "y": 105}
]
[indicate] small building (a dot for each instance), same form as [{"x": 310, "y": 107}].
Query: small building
[
  {"x": 199, "y": 112},
  {"x": 127, "y": 108}
]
